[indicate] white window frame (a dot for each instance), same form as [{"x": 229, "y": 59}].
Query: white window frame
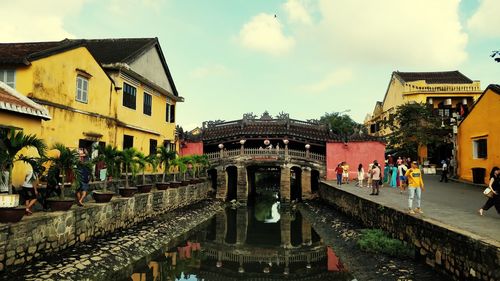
[
  {"x": 82, "y": 94},
  {"x": 475, "y": 150},
  {"x": 3, "y": 77}
]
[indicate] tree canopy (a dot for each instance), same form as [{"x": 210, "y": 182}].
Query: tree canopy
[
  {"x": 412, "y": 125},
  {"x": 341, "y": 124}
]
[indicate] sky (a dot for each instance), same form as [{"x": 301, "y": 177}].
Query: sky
[{"x": 302, "y": 57}]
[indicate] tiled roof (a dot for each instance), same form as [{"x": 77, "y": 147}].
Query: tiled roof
[
  {"x": 117, "y": 50},
  {"x": 11, "y": 100},
  {"x": 19, "y": 53},
  {"x": 442, "y": 77}
]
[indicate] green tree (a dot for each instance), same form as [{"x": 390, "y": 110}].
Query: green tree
[
  {"x": 11, "y": 143},
  {"x": 110, "y": 156},
  {"x": 129, "y": 159},
  {"x": 67, "y": 162},
  {"x": 413, "y": 125},
  {"x": 165, "y": 155},
  {"x": 341, "y": 124}
]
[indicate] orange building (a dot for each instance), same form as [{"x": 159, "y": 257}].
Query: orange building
[{"x": 479, "y": 136}]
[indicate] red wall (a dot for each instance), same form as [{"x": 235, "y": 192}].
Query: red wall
[
  {"x": 353, "y": 153},
  {"x": 191, "y": 148}
]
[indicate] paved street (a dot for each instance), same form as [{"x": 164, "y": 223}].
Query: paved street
[{"x": 452, "y": 203}]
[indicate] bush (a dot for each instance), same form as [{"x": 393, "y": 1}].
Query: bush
[{"x": 377, "y": 241}]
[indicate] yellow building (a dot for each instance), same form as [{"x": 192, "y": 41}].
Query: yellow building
[
  {"x": 448, "y": 92},
  {"x": 20, "y": 113},
  {"x": 479, "y": 135},
  {"x": 108, "y": 91}
]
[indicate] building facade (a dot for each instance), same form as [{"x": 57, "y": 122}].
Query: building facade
[
  {"x": 479, "y": 136},
  {"x": 98, "y": 92},
  {"x": 449, "y": 93}
]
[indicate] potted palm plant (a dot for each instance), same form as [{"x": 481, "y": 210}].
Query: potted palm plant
[
  {"x": 177, "y": 166},
  {"x": 128, "y": 158},
  {"x": 165, "y": 156},
  {"x": 142, "y": 163},
  {"x": 108, "y": 155},
  {"x": 180, "y": 165},
  {"x": 152, "y": 160},
  {"x": 11, "y": 143},
  {"x": 68, "y": 162}
]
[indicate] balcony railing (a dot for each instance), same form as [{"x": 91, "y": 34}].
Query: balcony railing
[{"x": 268, "y": 153}]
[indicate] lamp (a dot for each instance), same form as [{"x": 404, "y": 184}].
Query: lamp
[
  {"x": 221, "y": 146},
  {"x": 242, "y": 142},
  {"x": 286, "y": 141},
  {"x": 267, "y": 142},
  {"x": 308, "y": 146}
]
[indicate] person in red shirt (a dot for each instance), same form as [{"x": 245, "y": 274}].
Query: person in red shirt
[{"x": 339, "y": 170}]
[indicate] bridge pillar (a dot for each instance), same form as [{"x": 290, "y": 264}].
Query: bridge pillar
[
  {"x": 306, "y": 183},
  {"x": 306, "y": 232},
  {"x": 221, "y": 183},
  {"x": 241, "y": 225},
  {"x": 220, "y": 227},
  {"x": 242, "y": 186},
  {"x": 285, "y": 183},
  {"x": 286, "y": 226}
]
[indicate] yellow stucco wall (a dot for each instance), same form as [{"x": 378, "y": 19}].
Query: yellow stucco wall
[
  {"x": 53, "y": 79},
  {"x": 482, "y": 122},
  {"x": 30, "y": 125}
]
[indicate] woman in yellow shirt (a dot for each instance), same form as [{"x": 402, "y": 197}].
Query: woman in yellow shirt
[{"x": 415, "y": 187}]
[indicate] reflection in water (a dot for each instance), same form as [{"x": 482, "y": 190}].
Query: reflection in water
[
  {"x": 267, "y": 207},
  {"x": 248, "y": 244}
]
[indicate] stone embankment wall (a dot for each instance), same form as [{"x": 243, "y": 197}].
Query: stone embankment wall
[
  {"x": 454, "y": 252},
  {"x": 48, "y": 233}
]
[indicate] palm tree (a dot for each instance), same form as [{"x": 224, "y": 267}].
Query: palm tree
[
  {"x": 142, "y": 162},
  {"x": 200, "y": 162},
  {"x": 165, "y": 155},
  {"x": 152, "y": 160},
  {"x": 11, "y": 143},
  {"x": 110, "y": 156},
  {"x": 179, "y": 166},
  {"x": 128, "y": 158},
  {"x": 68, "y": 161}
]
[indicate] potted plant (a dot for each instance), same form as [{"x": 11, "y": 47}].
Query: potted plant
[
  {"x": 200, "y": 163},
  {"x": 142, "y": 163},
  {"x": 176, "y": 166},
  {"x": 128, "y": 158},
  {"x": 67, "y": 161},
  {"x": 108, "y": 155},
  {"x": 165, "y": 156},
  {"x": 11, "y": 143},
  {"x": 179, "y": 165}
]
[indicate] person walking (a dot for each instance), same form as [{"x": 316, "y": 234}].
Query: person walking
[
  {"x": 361, "y": 175},
  {"x": 30, "y": 191},
  {"x": 339, "y": 172},
  {"x": 83, "y": 184},
  {"x": 345, "y": 174},
  {"x": 376, "y": 181},
  {"x": 415, "y": 187},
  {"x": 394, "y": 176},
  {"x": 444, "y": 171},
  {"x": 494, "y": 185},
  {"x": 369, "y": 175},
  {"x": 402, "y": 178}
]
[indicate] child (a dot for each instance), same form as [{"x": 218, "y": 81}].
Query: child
[{"x": 361, "y": 175}]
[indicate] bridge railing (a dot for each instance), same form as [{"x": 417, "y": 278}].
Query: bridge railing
[{"x": 279, "y": 153}]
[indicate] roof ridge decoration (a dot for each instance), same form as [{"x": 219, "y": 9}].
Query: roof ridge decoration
[{"x": 31, "y": 108}]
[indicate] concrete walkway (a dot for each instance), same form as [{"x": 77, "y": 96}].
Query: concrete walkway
[{"x": 454, "y": 204}]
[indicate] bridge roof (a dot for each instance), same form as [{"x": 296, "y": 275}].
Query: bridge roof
[{"x": 268, "y": 128}]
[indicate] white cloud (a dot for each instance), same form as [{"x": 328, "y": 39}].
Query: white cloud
[
  {"x": 334, "y": 78},
  {"x": 210, "y": 71},
  {"x": 406, "y": 34},
  {"x": 264, "y": 33},
  {"x": 297, "y": 12},
  {"x": 26, "y": 20},
  {"x": 486, "y": 19}
]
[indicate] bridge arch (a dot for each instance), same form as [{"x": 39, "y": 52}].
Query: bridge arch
[
  {"x": 295, "y": 183},
  {"x": 231, "y": 182},
  {"x": 315, "y": 178}
]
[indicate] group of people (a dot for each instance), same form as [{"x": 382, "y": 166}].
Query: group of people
[
  {"x": 31, "y": 187},
  {"x": 400, "y": 175}
]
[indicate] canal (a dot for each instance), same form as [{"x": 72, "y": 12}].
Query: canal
[{"x": 212, "y": 241}]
